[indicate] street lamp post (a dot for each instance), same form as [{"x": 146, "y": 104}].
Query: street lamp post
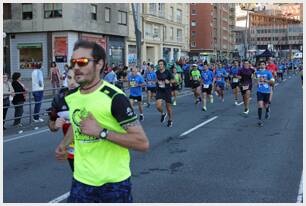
[{"x": 136, "y": 17}]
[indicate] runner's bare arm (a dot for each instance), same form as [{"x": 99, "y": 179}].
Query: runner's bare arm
[{"x": 135, "y": 138}]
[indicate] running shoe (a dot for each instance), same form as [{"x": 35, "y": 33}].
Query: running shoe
[
  {"x": 267, "y": 116},
  {"x": 204, "y": 109},
  {"x": 163, "y": 117},
  {"x": 170, "y": 123},
  {"x": 141, "y": 117},
  {"x": 246, "y": 111},
  {"x": 174, "y": 103},
  {"x": 236, "y": 103},
  {"x": 260, "y": 123}
]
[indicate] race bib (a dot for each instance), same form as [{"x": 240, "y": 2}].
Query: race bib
[
  {"x": 266, "y": 85},
  {"x": 246, "y": 87},
  {"x": 206, "y": 86},
  {"x": 64, "y": 114},
  {"x": 161, "y": 84},
  {"x": 195, "y": 78},
  {"x": 150, "y": 83},
  {"x": 133, "y": 84},
  {"x": 235, "y": 80}
]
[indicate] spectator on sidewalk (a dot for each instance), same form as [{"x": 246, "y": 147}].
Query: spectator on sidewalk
[
  {"x": 8, "y": 93},
  {"x": 38, "y": 92},
  {"x": 19, "y": 97},
  {"x": 55, "y": 76}
]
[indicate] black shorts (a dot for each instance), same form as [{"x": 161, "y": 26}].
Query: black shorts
[
  {"x": 244, "y": 91},
  {"x": 138, "y": 98},
  {"x": 195, "y": 84},
  {"x": 164, "y": 94},
  {"x": 207, "y": 90},
  {"x": 220, "y": 85},
  {"x": 175, "y": 88},
  {"x": 234, "y": 85},
  {"x": 263, "y": 97},
  {"x": 152, "y": 89}
]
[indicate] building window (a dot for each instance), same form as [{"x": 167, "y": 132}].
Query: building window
[
  {"x": 171, "y": 13},
  {"x": 193, "y": 23},
  {"x": 193, "y": 33},
  {"x": 27, "y": 11},
  {"x": 152, "y": 8},
  {"x": 179, "y": 15},
  {"x": 179, "y": 35},
  {"x": 171, "y": 33},
  {"x": 122, "y": 18},
  {"x": 93, "y": 11},
  {"x": 7, "y": 11},
  {"x": 193, "y": 44},
  {"x": 193, "y": 13},
  {"x": 53, "y": 10},
  {"x": 161, "y": 9},
  {"x": 156, "y": 32},
  {"x": 107, "y": 14}
]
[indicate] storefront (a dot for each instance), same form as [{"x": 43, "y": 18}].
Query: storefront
[{"x": 27, "y": 52}]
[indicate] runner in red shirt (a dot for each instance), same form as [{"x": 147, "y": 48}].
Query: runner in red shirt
[{"x": 273, "y": 69}]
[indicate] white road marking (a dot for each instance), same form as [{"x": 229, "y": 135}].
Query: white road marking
[
  {"x": 242, "y": 102},
  {"x": 276, "y": 84},
  {"x": 60, "y": 198},
  {"x": 285, "y": 80},
  {"x": 300, "y": 194},
  {"x": 25, "y": 135},
  {"x": 198, "y": 126}
]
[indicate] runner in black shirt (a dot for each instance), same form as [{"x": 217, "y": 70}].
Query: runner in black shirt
[{"x": 164, "y": 80}]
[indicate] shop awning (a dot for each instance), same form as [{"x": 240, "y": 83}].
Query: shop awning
[{"x": 29, "y": 45}]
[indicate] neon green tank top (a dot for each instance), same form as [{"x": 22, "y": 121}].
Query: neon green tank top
[
  {"x": 195, "y": 74},
  {"x": 177, "y": 78},
  {"x": 97, "y": 161}
]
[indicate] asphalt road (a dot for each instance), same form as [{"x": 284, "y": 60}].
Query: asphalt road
[{"x": 229, "y": 159}]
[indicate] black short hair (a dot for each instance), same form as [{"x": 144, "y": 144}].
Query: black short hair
[
  {"x": 16, "y": 76},
  {"x": 262, "y": 62},
  {"x": 53, "y": 63},
  {"x": 97, "y": 53},
  {"x": 161, "y": 60}
]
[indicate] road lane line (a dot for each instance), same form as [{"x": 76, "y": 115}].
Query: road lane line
[
  {"x": 300, "y": 194},
  {"x": 242, "y": 102},
  {"x": 198, "y": 126},
  {"x": 60, "y": 198},
  {"x": 25, "y": 135}
]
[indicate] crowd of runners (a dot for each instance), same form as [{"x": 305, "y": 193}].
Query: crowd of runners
[
  {"x": 100, "y": 124},
  {"x": 163, "y": 82}
]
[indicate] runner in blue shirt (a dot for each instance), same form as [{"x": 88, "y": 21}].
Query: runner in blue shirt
[
  {"x": 280, "y": 71},
  {"x": 220, "y": 73},
  {"x": 136, "y": 82},
  {"x": 234, "y": 79},
  {"x": 151, "y": 80},
  {"x": 207, "y": 80},
  {"x": 264, "y": 81}
]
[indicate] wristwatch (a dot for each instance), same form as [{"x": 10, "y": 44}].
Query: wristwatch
[{"x": 103, "y": 134}]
